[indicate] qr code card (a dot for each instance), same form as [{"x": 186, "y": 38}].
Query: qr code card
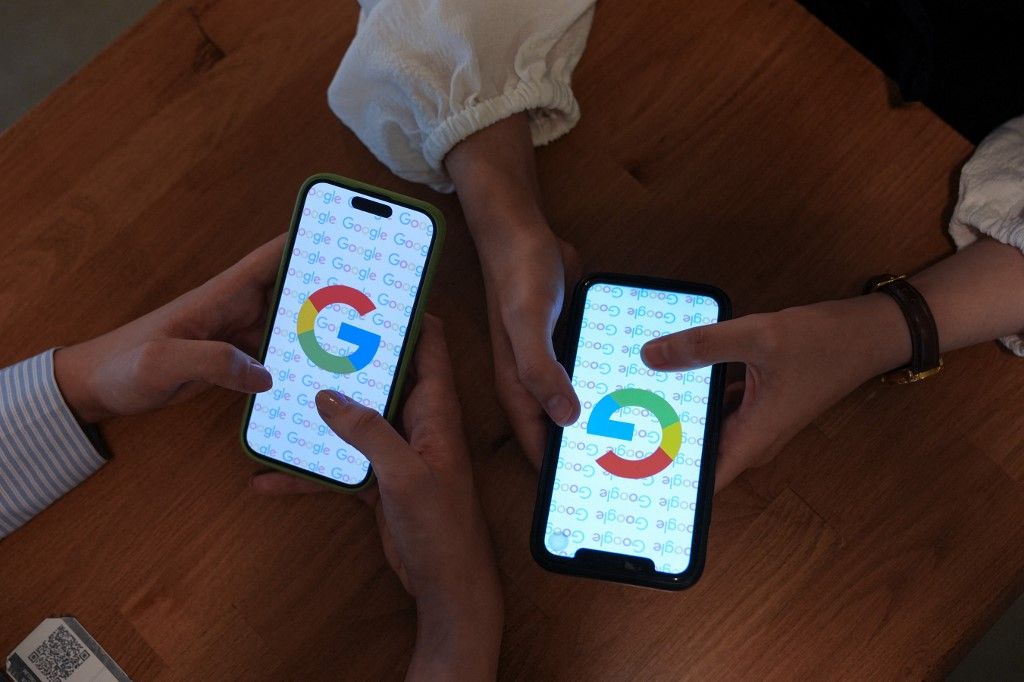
[{"x": 60, "y": 650}]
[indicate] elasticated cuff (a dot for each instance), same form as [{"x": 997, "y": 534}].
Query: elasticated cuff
[{"x": 553, "y": 112}]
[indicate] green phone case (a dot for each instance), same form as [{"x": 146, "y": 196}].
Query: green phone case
[{"x": 414, "y": 324}]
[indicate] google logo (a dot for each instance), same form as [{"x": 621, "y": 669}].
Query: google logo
[
  {"x": 602, "y": 424},
  {"x": 366, "y": 342}
]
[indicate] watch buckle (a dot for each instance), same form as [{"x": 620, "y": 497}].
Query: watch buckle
[{"x": 909, "y": 376}]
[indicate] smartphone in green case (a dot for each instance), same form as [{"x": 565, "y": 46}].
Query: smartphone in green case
[{"x": 345, "y": 314}]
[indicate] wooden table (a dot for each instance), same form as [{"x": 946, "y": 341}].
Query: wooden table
[{"x": 737, "y": 142}]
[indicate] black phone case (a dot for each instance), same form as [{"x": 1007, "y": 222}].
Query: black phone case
[{"x": 620, "y": 567}]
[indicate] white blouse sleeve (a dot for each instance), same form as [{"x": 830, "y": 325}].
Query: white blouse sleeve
[
  {"x": 422, "y": 75},
  {"x": 992, "y": 197}
]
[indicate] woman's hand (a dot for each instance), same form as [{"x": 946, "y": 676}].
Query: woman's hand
[
  {"x": 430, "y": 521},
  {"x": 526, "y": 269},
  {"x": 203, "y": 338},
  {"x": 802, "y": 360},
  {"x": 525, "y": 290},
  {"x": 798, "y": 361}
]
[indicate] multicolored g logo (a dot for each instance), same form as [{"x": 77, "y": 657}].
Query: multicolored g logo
[
  {"x": 366, "y": 343},
  {"x": 602, "y": 424}
]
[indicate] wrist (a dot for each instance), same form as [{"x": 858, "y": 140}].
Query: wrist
[
  {"x": 71, "y": 370},
  {"x": 458, "y": 636},
  {"x": 494, "y": 175},
  {"x": 512, "y": 247},
  {"x": 499, "y": 218},
  {"x": 877, "y": 331}
]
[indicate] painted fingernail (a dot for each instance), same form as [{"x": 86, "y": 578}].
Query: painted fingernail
[
  {"x": 653, "y": 353},
  {"x": 259, "y": 377},
  {"x": 559, "y": 409},
  {"x": 329, "y": 402}
]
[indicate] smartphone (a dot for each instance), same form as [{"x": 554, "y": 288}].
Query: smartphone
[
  {"x": 625, "y": 492},
  {"x": 345, "y": 314}
]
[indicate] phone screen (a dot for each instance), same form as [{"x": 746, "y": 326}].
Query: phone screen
[
  {"x": 627, "y": 472},
  {"x": 343, "y": 314}
]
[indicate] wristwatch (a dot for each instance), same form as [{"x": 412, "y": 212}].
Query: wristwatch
[{"x": 925, "y": 360}]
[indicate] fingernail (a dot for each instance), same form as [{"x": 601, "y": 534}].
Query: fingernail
[
  {"x": 259, "y": 377},
  {"x": 653, "y": 354},
  {"x": 329, "y": 402},
  {"x": 559, "y": 409}
]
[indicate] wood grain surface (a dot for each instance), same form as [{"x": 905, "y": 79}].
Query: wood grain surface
[{"x": 736, "y": 142}]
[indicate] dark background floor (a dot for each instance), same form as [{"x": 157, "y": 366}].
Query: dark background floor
[{"x": 963, "y": 60}]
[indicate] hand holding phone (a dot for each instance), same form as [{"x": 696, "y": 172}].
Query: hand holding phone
[
  {"x": 205, "y": 337},
  {"x": 527, "y": 271},
  {"x": 625, "y": 492},
  {"x": 799, "y": 362},
  {"x": 431, "y": 525},
  {"x": 345, "y": 315},
  {"x": 524, "y": 291}
]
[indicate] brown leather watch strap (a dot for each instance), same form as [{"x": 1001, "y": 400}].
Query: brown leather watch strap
[{"x": 924, "y": 336}]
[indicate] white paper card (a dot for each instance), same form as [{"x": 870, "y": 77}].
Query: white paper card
[{"x": 60, "y": 650}]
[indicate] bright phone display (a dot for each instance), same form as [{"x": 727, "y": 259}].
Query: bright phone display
[
  {"x": 354, "y": 277},
  {"x": 625, "y": 491}
]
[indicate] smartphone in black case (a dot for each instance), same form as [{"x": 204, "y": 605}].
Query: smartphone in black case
[{"x": 625, "y": 492}]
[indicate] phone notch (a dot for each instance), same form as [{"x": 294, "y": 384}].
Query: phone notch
[{"x": 375, "y": 207}]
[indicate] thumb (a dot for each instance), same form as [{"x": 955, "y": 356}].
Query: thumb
[
  {"x": 541, "y": 374},
  {"x": 366, "y": 430},
  {"x": 749, "y": 434},
  {"x": 735, "y": 449},
  {"x": 729, "y": 341},
  {"x": 169, "y": 363},
  {"x": 746, "y": 443}
]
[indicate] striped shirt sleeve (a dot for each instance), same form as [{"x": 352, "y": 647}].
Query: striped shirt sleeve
[{"x": 44, "y": 452}]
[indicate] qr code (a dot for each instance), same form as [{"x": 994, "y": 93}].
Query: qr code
[{"x": 59, "y": 656}]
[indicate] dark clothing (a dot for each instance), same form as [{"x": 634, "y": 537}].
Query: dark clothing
[{"x": 962, "y": 58}]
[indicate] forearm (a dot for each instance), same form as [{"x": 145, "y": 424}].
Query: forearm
[
  {"x": 975, "y": 295},
  {"x": 495, "y": 176}
]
